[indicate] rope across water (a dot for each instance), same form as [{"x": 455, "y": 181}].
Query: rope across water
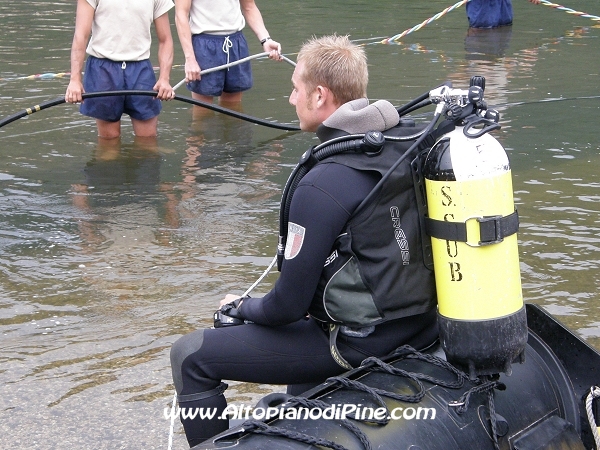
[
  {"x": 569, "y": 10},
  {"x": 389, "y": 40},
  {"x": 396, "y": 38}
]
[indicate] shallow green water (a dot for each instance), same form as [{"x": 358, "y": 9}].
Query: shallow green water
[{"x": 107, "y": 255}]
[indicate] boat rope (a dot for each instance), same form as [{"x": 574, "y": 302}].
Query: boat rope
[
  {"x": 257, "y": 427},
  {"x": 594, "y": 395},
  {"x": 462, "y": 404},
  {"x": 307, "y": 403},
  {"x": 320, "y": 404},
  {"x": 214, "y": 107},
  {"x": 408, "y": 352},
  {"x": 569, "y": 10},
  {"x": 375, "y": 364},
  {"x": 376, "y": 393},
  {"x": 485, "y": 386},
  {"x": 493, "y": 424}
]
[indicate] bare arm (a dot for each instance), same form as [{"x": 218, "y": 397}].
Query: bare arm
[
  {"x": 83, "y": 29},
  {"x": 182, "y": 21},
  {"x": 255, "y": 21},
  {"x": 165, "y": 57}
]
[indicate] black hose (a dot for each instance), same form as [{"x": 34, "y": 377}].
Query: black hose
[
  {"x": 359, "y": 136},
  {"x": 319, "y": 153},
  {"x": 402, "y": 109},
  {"x": 419, "y": 101},
  {"x": 308, "y": 159},
  {"x": 348, "y": 143},
  {"x": 408, "y": 152},
  {"x": 419, "y": 105},
  {"x": 217, "y": 108}
]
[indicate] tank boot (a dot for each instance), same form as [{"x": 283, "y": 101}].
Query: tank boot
[{"x": 201, "y": 414}]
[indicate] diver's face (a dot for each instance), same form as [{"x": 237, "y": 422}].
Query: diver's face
[{"x": 302, "y": 99}]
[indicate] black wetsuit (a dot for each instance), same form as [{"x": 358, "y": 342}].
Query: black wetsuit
[{"x": 284, "y": 346}]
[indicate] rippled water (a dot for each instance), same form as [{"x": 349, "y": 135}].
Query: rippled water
[{"x": 108, "y": 254}]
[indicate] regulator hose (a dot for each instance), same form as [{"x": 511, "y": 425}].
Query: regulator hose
[
  {"x": 217, "y": 108},
  {"x": 371, "y": 143},
  {"x": 419, "y": 102},
  {"x": 406, "y": 154}
]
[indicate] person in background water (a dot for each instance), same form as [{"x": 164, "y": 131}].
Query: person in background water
[
  {"x": 491, "y": 13},
  {"x": 287, "y": 340},
  {"x": 211, "y": 35},
  {"x": 119, "y": 59}
]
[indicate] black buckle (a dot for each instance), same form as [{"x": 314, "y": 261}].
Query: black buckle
[{"x": 490, "y": 230}]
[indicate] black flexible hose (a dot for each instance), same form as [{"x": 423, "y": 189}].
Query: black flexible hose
[
  {"x": 318, "y": 153},
  {"x": 418, "y": 102},
  {"x": 348, "y": 143},
  {"x": 217, "y": 108},
  {"x": 419, "y": 105},
  {"x": 408, "y": 152},
  {"x": 402, "y": 109},
  {"x": 361, "y": 135}
]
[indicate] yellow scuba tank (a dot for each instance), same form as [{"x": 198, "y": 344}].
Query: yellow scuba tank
[{"x": 472, "y": 222}]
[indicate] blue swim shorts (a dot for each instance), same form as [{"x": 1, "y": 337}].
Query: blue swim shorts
[
  {"x": 214, "y": 50},
  {"x": 107, "y": 75}
]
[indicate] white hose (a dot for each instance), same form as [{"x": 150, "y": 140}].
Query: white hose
[{"x": 234, "y": 63}]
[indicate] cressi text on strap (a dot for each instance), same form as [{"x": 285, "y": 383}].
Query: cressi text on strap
[{"x": 335, "y": 353}]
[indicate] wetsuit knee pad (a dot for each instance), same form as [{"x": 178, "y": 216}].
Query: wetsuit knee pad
[{"x": 181, "y": 351}]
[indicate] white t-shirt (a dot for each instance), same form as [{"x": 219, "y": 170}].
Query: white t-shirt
[
  {"x": 121, "y": 28},
  {"x": 216, "y": 17}
]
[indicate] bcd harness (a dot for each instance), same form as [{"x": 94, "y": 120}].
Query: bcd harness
[{"x": 359, "y": 288}]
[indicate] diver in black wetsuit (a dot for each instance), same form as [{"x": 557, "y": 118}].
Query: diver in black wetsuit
[{"x": 288, "y": 339}]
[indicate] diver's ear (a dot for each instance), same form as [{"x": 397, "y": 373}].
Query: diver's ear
[{"x": 323, "y": 96}]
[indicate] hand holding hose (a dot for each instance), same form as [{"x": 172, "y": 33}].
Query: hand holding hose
[
  {"x": 229, "y": 298},
  {"x": 164, "y": 89},
  {"x": 192, "y": 70},
  {"x": 74, "y": 91},
  {"x": 273, "y": 47}
]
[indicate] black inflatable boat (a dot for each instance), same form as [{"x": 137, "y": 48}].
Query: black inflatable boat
[{"x": 416, "y": 400}]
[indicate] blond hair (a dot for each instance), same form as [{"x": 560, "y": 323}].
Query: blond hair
[{"x": 337, "y": 64}]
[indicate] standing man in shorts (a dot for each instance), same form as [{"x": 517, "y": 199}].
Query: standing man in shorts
[
  {"x": 211, "y": 35},
  {"x": 118, "y": 59}
]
